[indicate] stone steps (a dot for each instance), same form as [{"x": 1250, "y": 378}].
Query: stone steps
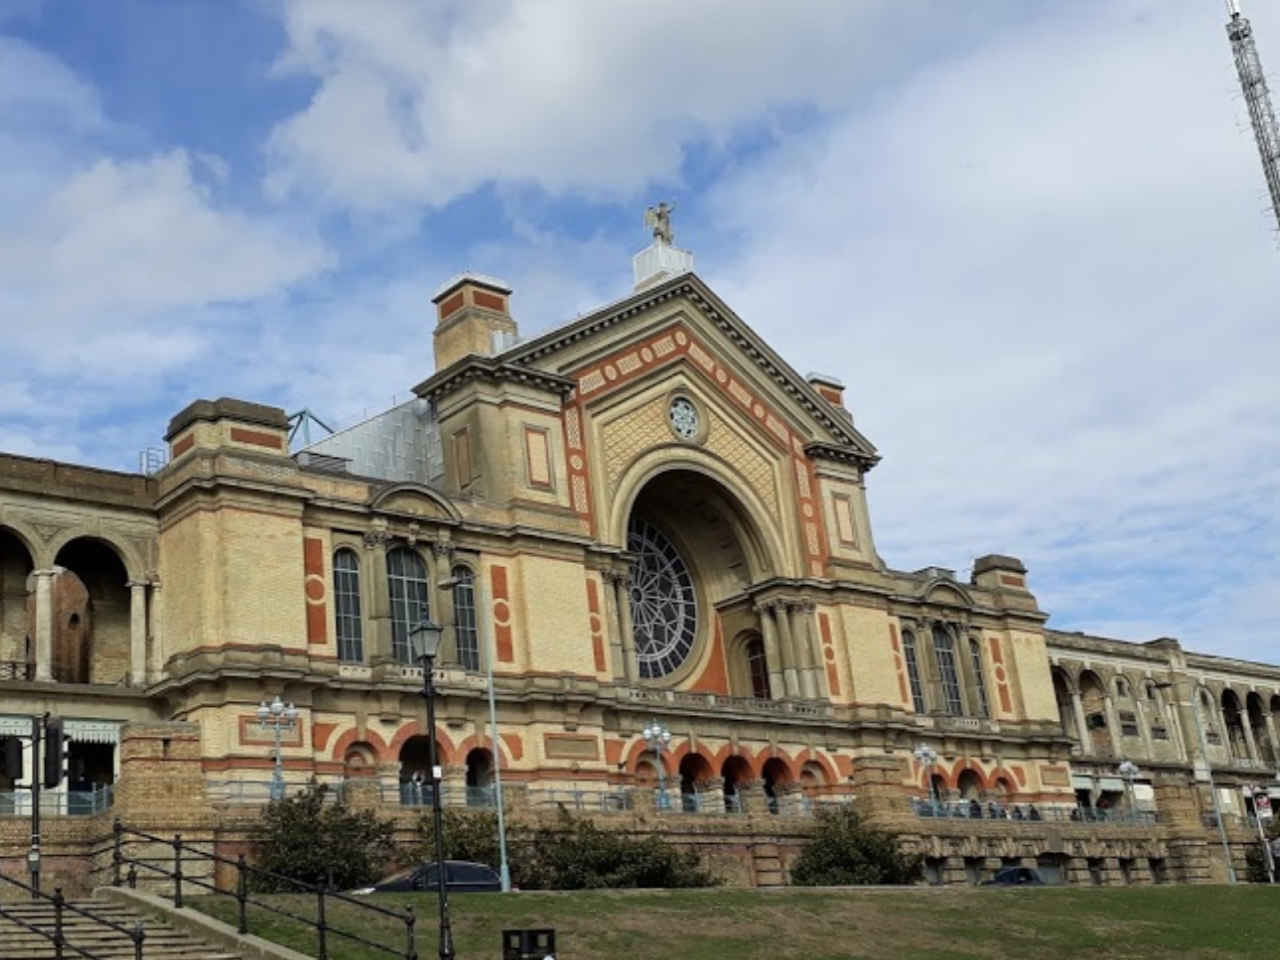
[{"x": 162, "y": 942}]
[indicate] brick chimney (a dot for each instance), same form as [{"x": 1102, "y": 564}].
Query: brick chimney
[
  {"x": 831, "y": 390},
  {"x": 473, "y": 316}
]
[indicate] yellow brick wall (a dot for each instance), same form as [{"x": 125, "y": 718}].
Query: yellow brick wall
[
  {"x": 1030, "y": 676},
  {"x": 552, "y": 633},
  {"x": 263, "y": 580},
  {"x": 870, "y": 651}
]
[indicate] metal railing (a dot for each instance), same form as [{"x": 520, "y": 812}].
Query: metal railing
[
  {"x": 182, "y": 865},
  {"x": 70, "y": 803},
  {"x": 56, "y": 935},
  {"x": 1028, "y": 813}
]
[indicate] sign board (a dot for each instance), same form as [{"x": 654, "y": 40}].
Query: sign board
[{"x": 1262, "y": 805}]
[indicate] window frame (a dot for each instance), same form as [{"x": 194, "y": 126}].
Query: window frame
[
  {"x": 911, "y": 659},
  {"x": 348, "y": 607},
  {"x": 407, "y": 611},
  {"x": 944, "y": 641},
  {"x": 466, "y": 633}
]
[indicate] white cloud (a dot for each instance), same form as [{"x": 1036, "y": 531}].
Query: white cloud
[
  {"x": 1043, "y": 274},
  {"x": 420, "y": 103},
  {"x": 144, "y": 237}
]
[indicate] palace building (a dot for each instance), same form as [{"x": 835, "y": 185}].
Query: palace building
[{"x": 644, "y": 514}]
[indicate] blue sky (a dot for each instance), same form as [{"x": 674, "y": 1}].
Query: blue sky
[{"x": 1030, "y": 237}]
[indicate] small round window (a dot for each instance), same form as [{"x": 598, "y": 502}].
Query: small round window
[
  {"x": 664, "y": 606},
  {"x": 684, "y": 418}
]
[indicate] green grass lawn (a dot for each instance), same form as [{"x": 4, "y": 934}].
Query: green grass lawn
[{"x": 922, "y": 923}]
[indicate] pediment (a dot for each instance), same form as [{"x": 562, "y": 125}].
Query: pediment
[
  {"x": 946, "y": 593},
  {"x": 683, "y": 323},
  {"x": 415, "y": 501}
]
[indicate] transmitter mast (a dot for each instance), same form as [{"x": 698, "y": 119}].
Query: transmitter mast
[{"x": 1261, "y": 113}]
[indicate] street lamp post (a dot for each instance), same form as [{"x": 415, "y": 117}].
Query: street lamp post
[
  {"x": 1129, "y": 770},
  {"x": 1208, "y": 769},
  {"x": 279, "y": 715},
  {"x": 425, "y": 639},
  {"x": 658, "y": 736},
  {"x": 928, "y": 756}
]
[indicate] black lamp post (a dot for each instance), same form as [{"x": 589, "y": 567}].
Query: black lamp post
[{"x": 425, "y": 640}]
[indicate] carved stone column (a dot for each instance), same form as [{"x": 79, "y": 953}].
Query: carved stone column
[
  {"x": 137, "y": 633},
  {"x": 1250, "y": 743},
  {"x": 155, "y": 646},
  {"x": 446, "y": 616},
  {"x": 44, "y": 623},
  {"x": 622, "y": 597},
  {"x": 786, "y": 644},
  {"x": 379, "y": 597},
  {"x": 1113, "y": 724},
  {"x": 1077, "y": 711}
]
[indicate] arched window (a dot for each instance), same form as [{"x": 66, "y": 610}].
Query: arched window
[
  {"x": 407, "y": 583},
  {"x": 944, "y": 646},
  {"x": 758, "y": 668},
  {"x": 346, "y": 606},
  {"x": 464, "y": 612},
  {"x": 913, "y": 670},
  {"x": 980, "y": 683}
]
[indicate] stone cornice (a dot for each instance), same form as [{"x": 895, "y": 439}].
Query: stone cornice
[
  {"x": 492, "y": 370},
  {"x": 695, "y": 291}
]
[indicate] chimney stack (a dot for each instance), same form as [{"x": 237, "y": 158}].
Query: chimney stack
[{"x": 473, "y": 317}]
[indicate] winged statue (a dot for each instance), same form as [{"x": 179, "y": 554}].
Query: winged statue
[{"x": 658, "y": 219}]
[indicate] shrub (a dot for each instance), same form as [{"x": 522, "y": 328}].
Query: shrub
[
  {"x": 313, "y": 839},
  {"x": 571, "y": 854},
  {"x": 846, "y": 850}
]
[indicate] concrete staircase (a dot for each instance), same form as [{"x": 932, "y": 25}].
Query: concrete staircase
[{"x": 162, "y": 941}]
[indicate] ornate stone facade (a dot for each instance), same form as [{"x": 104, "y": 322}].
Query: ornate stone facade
[{"x": 644, "y": 513}]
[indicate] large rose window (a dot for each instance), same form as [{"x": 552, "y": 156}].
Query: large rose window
[{"x": 664, "y": 606}]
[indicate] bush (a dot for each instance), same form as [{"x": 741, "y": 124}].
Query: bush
[
  {"x": 309, "y": 838},
  {"x": 572, "y": 854},
  {"x": 846, "y": 850}
]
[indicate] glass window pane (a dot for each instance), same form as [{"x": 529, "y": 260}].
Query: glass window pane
[
  {"x": 913, "y": 670},
  {"x": 346, "y": 604},
  {"x": 407, "y": 583},
  {"x": 464, "y": 611}
]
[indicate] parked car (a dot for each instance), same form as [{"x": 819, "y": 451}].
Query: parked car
[
  {"x": 1015, "y": 877},
  {"x": 461, "y": 876}
]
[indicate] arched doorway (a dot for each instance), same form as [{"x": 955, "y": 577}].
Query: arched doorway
[
  {"x": 736, "y": 771},
  {"x": 775, "y": 774},
  {"x": 16, "y": 627},
  {"x": 693, "y": 770},
  {"x": 1093, "y": 699},
  {"x": 479, "y": 778},
  {"x": 415, "y": 771},
  {"x": 91, "y": 615},
  {"x": 1237, "y": 746},
  {"x": 696, "y": 552}
]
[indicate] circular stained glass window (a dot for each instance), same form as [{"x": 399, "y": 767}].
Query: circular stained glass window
[
  {"x": 664, "y": 607},
  {"x": 684, "y": 418}
]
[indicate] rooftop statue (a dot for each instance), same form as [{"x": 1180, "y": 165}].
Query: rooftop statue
[{"x": 658, "y": 219}]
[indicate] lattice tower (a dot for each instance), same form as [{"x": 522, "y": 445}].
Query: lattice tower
[{"x": 1261, "y": 113}]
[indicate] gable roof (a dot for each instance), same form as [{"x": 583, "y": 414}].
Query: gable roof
[{"x": 846, "y": 442}]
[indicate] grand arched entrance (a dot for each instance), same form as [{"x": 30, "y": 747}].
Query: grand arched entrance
[{"x": 695, "y": 554}]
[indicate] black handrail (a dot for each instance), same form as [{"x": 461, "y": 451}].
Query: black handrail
[
  {"x": 180, "y": 874},
  {"x": 136, "y": 934}
]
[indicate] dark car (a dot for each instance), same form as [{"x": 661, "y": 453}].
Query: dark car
[
  {"x": 1015, "y": 877},
  {"x": 461, "y": 876}
]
